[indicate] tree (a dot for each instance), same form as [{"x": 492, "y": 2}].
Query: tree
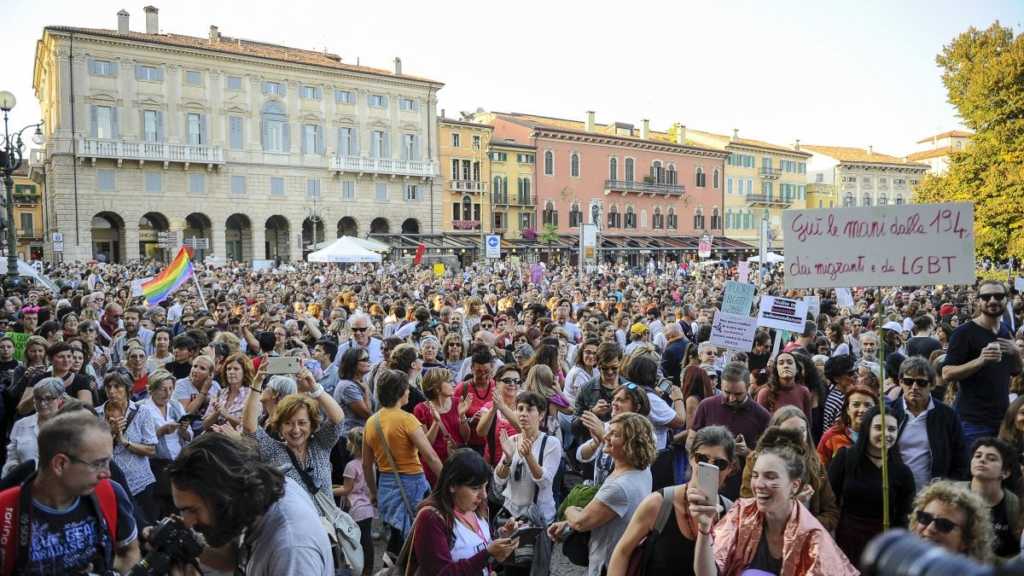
[{"x": 983, "y": 72}]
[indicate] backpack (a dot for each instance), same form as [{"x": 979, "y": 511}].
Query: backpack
[{"x": 14, "y": 545}]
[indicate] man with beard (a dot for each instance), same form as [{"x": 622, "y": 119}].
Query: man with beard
[
  {"x": 982, "y": 358},
  {"x": 737, "y": 411},
  {"x": 133, "y": 330},
  {"x": 223, "y": 491}
]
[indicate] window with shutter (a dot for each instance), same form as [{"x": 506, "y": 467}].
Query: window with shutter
[
  {"x": 154, "y": 182},
  {"x": 235, "y": 132},
  {"x": 234, "y": 83},
  {"x": 276, "y": 186},
  {"x": 348, "y": 190},
  {"x": 238, "y": 185},
  {"x": 197, "y": 183}
]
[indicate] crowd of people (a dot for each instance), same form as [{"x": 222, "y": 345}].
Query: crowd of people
[{"x": 474, "y": 421}]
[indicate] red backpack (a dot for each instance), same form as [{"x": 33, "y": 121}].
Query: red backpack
[{"x": 103, "y": 499}]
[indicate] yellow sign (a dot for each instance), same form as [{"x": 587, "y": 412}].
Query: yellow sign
[{"x": 438, "y": 269}]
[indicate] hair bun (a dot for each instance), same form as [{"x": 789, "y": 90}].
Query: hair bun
[{"x": 778, "y": 437}]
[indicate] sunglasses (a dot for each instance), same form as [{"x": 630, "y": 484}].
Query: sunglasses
[
  {"x": 986, "y": 297},
  {"x": 517, "y": 474},
  {"x": 357, "y": 329},
  {"x": 720, "y": 463},
  {"x": 919, "y": 382},
  {"x": 511, "y": 381},
  {"x": 943, "y": 525}
]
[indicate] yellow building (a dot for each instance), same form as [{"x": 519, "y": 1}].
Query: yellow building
[
  {"x": 465, "y": 170},
  {"x": 761, "y": 180},
  {"x": 514, "y": 200},
  {"x": 821, "y": 195},
  {"x": 28, "y": 214}
]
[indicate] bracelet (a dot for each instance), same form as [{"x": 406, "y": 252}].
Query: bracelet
[
  {"x": 708, "y": 533},
  {"x": 316, "y": 392}
]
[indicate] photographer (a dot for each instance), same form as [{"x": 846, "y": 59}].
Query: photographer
[{"x": 223, "y": 489}]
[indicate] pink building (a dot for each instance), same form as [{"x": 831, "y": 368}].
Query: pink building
[{"x": 637, "y": 183}]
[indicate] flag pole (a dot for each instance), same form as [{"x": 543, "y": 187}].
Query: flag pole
[{"x": 195, "y": 279}]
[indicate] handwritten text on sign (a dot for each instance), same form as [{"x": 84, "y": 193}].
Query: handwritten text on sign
[{"x": 907, "y": 245}]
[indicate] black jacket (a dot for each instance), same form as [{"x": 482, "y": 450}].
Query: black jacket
[
  {"x": 945, "y": 440},
  {"x": 672, "y": 359}
]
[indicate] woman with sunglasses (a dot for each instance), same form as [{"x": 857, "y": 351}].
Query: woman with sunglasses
[
  {"x": 951, "y": 516},
  {"x": 673, "y": 550},
  {"x": 453, "y": 352},
  {"x": 817, "y": 495},
  {"x": 584, "y": 370},
  {"x": 499, "y": 414},
  {"x": 628, "y": 399}
]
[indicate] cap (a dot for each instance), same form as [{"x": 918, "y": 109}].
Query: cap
[
  {"x": 893, "y": 326},
  {"x": 638, "y": 329},
  {"x": 947, "y": 309}
]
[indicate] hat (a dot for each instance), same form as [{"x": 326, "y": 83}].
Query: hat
[
  {"x": 638, "y": 329},
  {"x": 947, "y": 309},
  {"x": 893, "y": 326}
]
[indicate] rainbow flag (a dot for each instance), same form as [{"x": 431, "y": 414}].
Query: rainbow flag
[{"x": 161, "y": 286}]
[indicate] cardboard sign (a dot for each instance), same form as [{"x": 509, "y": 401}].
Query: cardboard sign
[
  {"x": 906, "y": 245},
  {"x": 782, "y": 313},
  {"x": 20, "y": 339},
  {"x": 813, "y": 306},
  {"x": 743, "y": 271},
  {"x": 844, "y": 298},
  {"x": 704, "y": 246},
  {"x": 738, "y": 298},
  {"x": 1018, "y": 284},
  {"x": 438, "y": 269},
  {"x": 733, "y": 331}
]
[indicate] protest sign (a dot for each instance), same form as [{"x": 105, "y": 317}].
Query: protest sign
[
  {"x": 743, "y": 271},
  {"x": 738, "y": 298},
  {"x": 905, "y": 245},
  {"x": 844, "y": 298},
  {"x": 20, "y": 339},
  {"x": 1018, "y": 284},
  {"x": 813, "y": 306},
  {"x": 733, "y": 331},
  {"x": 782, "y": 313}
]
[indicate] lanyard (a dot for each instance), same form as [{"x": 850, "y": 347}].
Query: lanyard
[{"x": 473, "y": 522}]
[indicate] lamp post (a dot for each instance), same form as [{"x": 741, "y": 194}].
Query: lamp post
[{"x": 10, "y": 160}]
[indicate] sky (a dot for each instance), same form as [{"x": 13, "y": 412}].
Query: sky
[{"x": 847, "y": 73}]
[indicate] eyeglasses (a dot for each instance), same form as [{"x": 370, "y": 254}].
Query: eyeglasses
[
  {"x": 364, "y": 358},
  {"x": 358, "y": 329},
  {"x": 45, "y": 400},
  {"x": 720, "y": 463},
  {"x": 607, "y": 369},
  {"x": 997, "y": 295},
  {"x": 96, "y": 466},
  {"x": 511, "y": 381},
  {"x": 944, "y": 525},
  {"x": 919, "y": 382}
]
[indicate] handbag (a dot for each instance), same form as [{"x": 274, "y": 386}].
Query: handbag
[
  {"x": 394, "y": 469},
  {"x": 576, "y": 546},
  {"x": 342, "y": 530},
  {"x": 406, "y": 556},
  {"x": 534, "y": 555},
  {"x": 644, "y": 551}
]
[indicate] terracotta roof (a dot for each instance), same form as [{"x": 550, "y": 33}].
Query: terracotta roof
[
  {"x": 848, "y": 154},
  {"x": 721, "y": 140},
  {"x": 934, "y": 153},
  {"x": 947, "y": 134},
  {"x": 242, "y": 47}
]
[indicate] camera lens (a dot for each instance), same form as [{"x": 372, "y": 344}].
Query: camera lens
[{"x": 899, "y": 553}]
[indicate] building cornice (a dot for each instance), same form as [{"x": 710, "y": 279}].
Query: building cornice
[
  {"x": 771, "y": 149},
  {"x": 620, "y": 141},
  {"x": 910, "y": 168}
]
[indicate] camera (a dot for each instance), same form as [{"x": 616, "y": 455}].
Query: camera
[
  {"x": 899, "y": 553},
  {"x": 171, "y": 542}
]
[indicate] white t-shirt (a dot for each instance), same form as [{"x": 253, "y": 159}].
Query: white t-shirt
[{"x": 661, "y": 415}]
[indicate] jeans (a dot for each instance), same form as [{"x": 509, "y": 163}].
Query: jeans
[{"x": 974, "y": 431}]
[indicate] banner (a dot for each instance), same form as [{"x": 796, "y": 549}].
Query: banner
[
  {"x": 704, "y": 246},
  {"x": 738, "y": 298},
  {"x": 421, "y": 249},
  {"x": 743, "y": 271},
  {"x": 844, "y": 298},
  {"x": 906, "y": 245},
  {"x": 782, "y": 313},
  {"x": 733, "y": 332}
]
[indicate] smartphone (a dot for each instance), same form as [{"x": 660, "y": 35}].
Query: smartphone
[
  {"x": 707, "y": 479},
  {"x": 189, "y": 418},
  {"x": 526, "y": 534},
  {"x": 664, "y": 387},
  {"x": 287, "y": 365}
]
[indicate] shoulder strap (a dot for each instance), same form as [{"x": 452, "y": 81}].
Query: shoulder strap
[
  {"x": 104, "y": 504},
  {"x": 666, "y": 508},
  {"x": 394, "y": 468},
  {"x": 131, "y": 416},
  {"x": 9, "y": 500},
  {"x": 303, "y": 473},
  {"x": 540, "y": 462},
  {"x": 1012, "y": 510}
]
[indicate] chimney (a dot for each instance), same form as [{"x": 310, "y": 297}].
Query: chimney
[
  {"x": 152, "y": 19},
  {"x": 398, "y": 66},
  {"x": 796, "y": 145},
  {"x": 645, "y": 130},
  {"x": 122, "y": 21},
  {"x": 442, "y": 112},
  {"x": 871, "y": 150},
  {"x": 214, "y": 34},
  {"x": 589, "y": 126},
  {"x": 681, "y": 134},
  {"x": 735, "y": 134}
]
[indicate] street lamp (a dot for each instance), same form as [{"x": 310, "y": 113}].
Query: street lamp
[{"x": 10, "y": 160}]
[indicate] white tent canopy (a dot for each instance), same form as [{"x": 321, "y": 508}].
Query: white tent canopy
[
  {"x": 344, "y": 249},
  {"x": 771, "y": 257},
  {"x": 368, "y": 243}
]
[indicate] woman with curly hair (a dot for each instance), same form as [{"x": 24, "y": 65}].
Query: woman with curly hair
[
  {"x": 818, "y": 498},
  {"x": 630, "y": 443},
  {"x": 784, "y": 387},
  {"x": 858, "y": 400},
  {"x": 953, "y": 517}
]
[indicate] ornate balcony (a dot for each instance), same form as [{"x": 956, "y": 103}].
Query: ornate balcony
[
  {"x": 465, "y": 224},
  {"x": 767, "y": 200},
  {"x": 137, "y": 151},
  {"x": 386, "y": 166},
  {"x": 523, "y": 199},
  {"x": 499, "y": 199},
  {"x": 770, "y": 173},
  {"x": 627, "y": 186},
  {"x": 467, "y": 186}
]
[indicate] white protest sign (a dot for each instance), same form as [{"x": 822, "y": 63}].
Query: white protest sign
[
  {"x": 906, "y": 245},
  {"x": 738, "y": 298},
  {"x": 137, "y": 286},
  {"x": 743, "y": 271},
  {"x": 1018, "y": 284},
  {"x": 813, "y": 305},
  {"x": 493, "y": 246},
  {"x": 782, "y": 313},
  {"x": 733, "y": 331},
  {"x": 844, "y": 298}
]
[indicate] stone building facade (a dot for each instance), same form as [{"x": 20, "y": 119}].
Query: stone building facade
[{"x": 257, "y": 150}]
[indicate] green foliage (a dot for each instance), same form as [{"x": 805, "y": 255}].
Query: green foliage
[
  {"x": 983, "y": 72},
  {"x": 550, "y": 234}
]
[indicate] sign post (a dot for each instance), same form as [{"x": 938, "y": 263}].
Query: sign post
[
  {"x": 492, "y": 244},
  {"x": 906, "y": 245}
]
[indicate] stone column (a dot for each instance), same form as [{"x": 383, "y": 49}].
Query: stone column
[
  {"x": 259, "y": 236},
  {"x": 218, "y": 240}
]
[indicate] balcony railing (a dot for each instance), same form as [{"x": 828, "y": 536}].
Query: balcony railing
[
  {"x": 26, "y": 199},
  {"x": 29, "y": 234},
  {"x": 767, "y": 200},
  {"x": 150, "y": 151},
  {"x": 499, "y": 199},
  {"x": 523, "y": 200},
  {"x": 465, "y": 224},
  {"x": 770, "y": 173},
  {"x": 389, "y": 166},
  {"x": 644, "y": 187},
  {"x": 467, "y": 185}
]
